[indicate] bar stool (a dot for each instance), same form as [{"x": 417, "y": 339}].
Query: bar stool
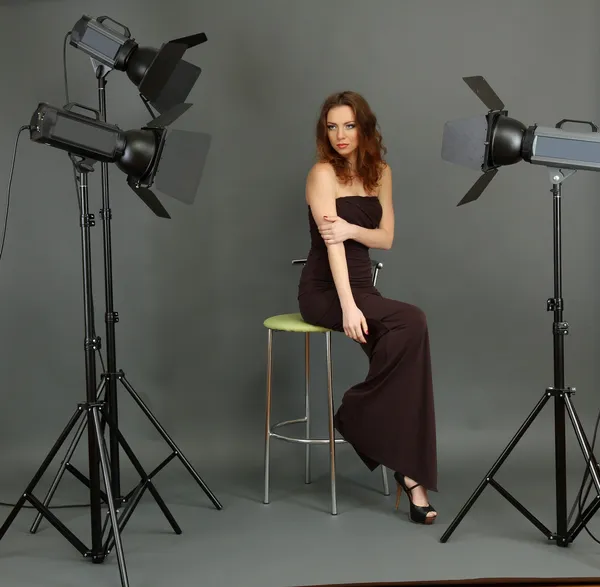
[{"x": 295, "y": 323}]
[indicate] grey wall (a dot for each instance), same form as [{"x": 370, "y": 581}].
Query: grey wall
[{"x": 192, "y": 292}]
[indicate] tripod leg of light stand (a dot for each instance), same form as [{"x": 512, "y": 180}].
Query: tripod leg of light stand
[
  {"x": 63, "y": 467},
  {"x": 128, "y": 510},
  {"x": 27, "y": 495},
  {"x": 126, "y": 515},
  {"x": 176, "y": 451},
  {"x": 488, "y": 479},
  {"x": 593, "y": 469},
  {"x": 145, "y": 483},
  {"x": 104, "y": 465}
]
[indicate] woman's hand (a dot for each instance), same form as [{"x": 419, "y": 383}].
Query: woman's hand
[
  {"x": 335, "y": 230},
  {"x": 355, "y": 324}
]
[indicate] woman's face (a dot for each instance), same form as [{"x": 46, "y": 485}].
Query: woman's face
[{"x": 342, "y": 130}]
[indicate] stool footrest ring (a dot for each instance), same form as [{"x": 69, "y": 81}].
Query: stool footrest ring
[{"x": 300, "y": 440}]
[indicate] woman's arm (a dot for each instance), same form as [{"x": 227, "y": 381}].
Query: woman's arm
[
  {"x": 336, "y": 230},
  {"x": 383, "y": 236},
  {"x": 320, "y": 196}
]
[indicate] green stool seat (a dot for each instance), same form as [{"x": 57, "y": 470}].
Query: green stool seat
[{"x": 291, "y": 323}]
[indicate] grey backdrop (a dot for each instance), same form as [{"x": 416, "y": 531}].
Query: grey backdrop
[{"x": 192, "y": 292}]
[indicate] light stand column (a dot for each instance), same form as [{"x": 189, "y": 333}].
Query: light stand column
[
  {"x": 560, "y": 329},
  {"x": 110, "y": 316}
]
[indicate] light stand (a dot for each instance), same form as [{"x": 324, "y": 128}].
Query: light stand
[
  {"x": 92, "y": 408},
  {"x": 112, "y": 375},
  {"x": 562, "y": 404},
  {"x": 137, "y": 153}
]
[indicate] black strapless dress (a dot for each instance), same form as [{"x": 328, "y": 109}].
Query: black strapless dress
[{"x": 389, "y": 417}]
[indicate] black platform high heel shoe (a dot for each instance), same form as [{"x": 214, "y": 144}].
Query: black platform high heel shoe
[{"x": 418, "y": 513}]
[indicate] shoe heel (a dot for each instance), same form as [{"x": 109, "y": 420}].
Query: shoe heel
[{"x": 398, "y": 494}]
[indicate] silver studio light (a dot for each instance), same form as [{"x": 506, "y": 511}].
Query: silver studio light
[
  {"x": 161, "y": 75},
  {"x": 493, "y": 140},
  {"x": 172, "y": 160}
]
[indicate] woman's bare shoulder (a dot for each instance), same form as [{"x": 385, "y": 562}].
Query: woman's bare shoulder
[
  {"x": 321, "y": 170},
  {"x": 320, "y": 182}
]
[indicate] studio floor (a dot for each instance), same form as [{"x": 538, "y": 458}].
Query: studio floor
[{"x": 294, "y": 540}]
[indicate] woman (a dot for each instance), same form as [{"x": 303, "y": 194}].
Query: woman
[{"x": 388, "y": 418}]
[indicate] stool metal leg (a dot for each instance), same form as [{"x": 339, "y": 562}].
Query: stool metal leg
[
  {"x": 386, "y": 487},
  {"x": 268, "y": 412},
  {"x": 331, "y": 427},
  {"x": 307, "y": 403}
]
